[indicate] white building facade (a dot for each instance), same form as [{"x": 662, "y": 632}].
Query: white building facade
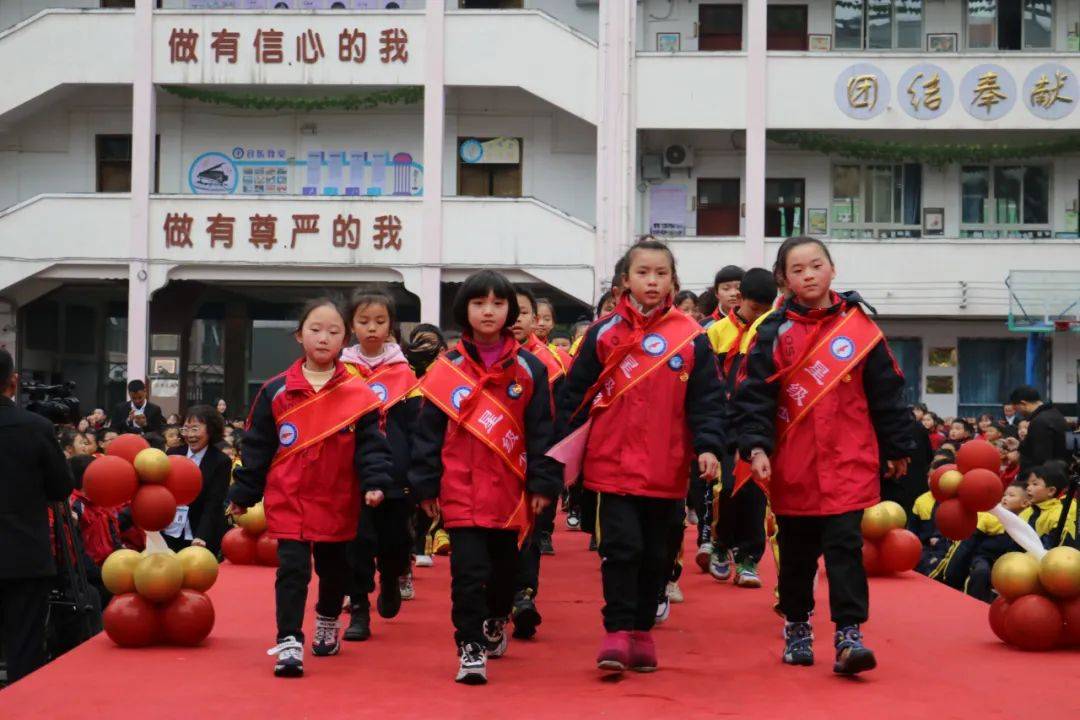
[{"x": 174, "y": 180}]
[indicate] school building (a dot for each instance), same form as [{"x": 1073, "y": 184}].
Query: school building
[{"x": 176, "y": 177}]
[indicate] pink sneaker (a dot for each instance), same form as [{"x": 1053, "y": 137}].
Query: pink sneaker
[
  {"x": 614, "y": 651},
  {"x": 642, "y": 652}
]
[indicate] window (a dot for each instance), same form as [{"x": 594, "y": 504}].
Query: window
[
  {"x": 1008, "y": 197},
  {"x": 990, "y": 369},
  {"x": 883, "y": 201},
  {"x": 489, "y": 167},
  {"x": 878, "y": 24},
  {"x": 113, "y": 153},
  {"x": 786, "y": 27},
  {"x": 1010, "y": 24},
  {"x": 718, "y": 206},
  {"x": 784, "y": 211},
  {"x": 204, "y": 379},
  {"x": 908, "y": 354},
  {"x": 720, "y": 27}
]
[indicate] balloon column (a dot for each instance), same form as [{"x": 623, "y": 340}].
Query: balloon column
[
  {"x": 966, "y": 489},
  {"x": 887, "y": 546},
  {"x": 158, "y": 596},
  {"x": 250, "y": 544},
  {"x": 1038, "y": 607}
]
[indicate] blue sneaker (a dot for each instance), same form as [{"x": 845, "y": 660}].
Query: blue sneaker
[
  {"x": 852, "y": 657},
  {"x": 720, "y": 565},
  {"x": 798, "y": 643}
]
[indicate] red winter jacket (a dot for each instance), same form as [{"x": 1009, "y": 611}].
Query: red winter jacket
[
  {"x": 98, "y": 527},
  {"x": 829, "y": 462},
  {"x": 314, "y": 495},
  {"x": 643, "y": 444},
  {"x": 474, "y": 485}
]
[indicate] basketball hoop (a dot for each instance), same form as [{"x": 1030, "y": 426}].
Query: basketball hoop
[{"x": 1044, "y": 301}]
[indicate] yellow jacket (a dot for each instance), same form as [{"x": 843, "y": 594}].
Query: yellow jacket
[
  {"x": 1049, "y": 514},
  {"x": 924, "y": 506}
]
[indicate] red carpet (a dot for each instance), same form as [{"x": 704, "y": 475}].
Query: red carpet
[{"x": 719, "y": 656}]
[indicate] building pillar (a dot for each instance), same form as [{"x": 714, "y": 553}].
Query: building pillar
[
  {"x": 756, "y": 64},
  {"x": 434, "y": 127},
  {"x": 143, "y": 130},
  {"x": 616, "y": 137}
]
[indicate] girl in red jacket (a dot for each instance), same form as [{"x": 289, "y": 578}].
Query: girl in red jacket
[
  {"x": 312, "y": 443},
  {"x": 478, "y": 458},
  {"x": 646, "y": 381},
  {"x": 383, "y": 533},
  {"x": 821, "y": 402}
]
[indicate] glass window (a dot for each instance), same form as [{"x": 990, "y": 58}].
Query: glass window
[
  {"x": 1036, "y": 196},
  {"x": 879, "y": 25},
  {"x": 848, "y": 24},
  {"x": 909, "y": 25},
  {"x": 1038, "y": 23},
  {"x": 975, "y": 191},
  {"x": 1007, "y": 184},
  {"x": 893, "y": 199},
  {"x": 982, "y": 24},
  {"x": 990, "y": 369}
]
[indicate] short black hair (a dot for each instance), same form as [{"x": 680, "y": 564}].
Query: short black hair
[
  {"x": 211, "y": 418},
  {"x": 967, "y": 425},
  {"x": 478, "y": 285},
  {"x": 940, "y": 460},
  {"x": 759, "y": 285},
  {"x": 67, "y": 438},
  {"x": 620, "y": 270},
  {"x": 533, "y": 302},
  {"x": 708, "y": 302},
  {"x": 78, "y": 464},
  {"x": 7, "y": 367},
  {"x": 314, "y": 304},
  {"x": 363, "y": 298},
  {"x": 156, "y": 440},
  {"x": 136, "y": 386},
  {"x": 684, "y": 295},
  {"x": 1054, "y": 474},
  {"x": 559, "y": 334},
  {"x": 600, "y": 303},
  {"x": 1024, "y": 393},
  {"x": 428, "y": 328},
  {"x": 650, "y": 243},
  {"x": 728, "y": 273},
  {"x": 780, "y": 267},
  {"x": 544, "y": 301}
]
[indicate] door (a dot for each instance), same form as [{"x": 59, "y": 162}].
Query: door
[
  {"x": 493, "y": 169},
  {"x": 718, "y": 206},
  {"x": 785, "y": 215},
  {"x": 719, "y": 27},
  {"x": 786, "y": 26},
  {"x": 113, "y": 158}
]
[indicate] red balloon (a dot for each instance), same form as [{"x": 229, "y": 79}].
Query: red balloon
[
  {"x": 127, "y": 446},
  {"x": 188, "y": 618},
  {"x": 901, "y": 551},
  {"x": 955, "y": 521},
  {"x": 1070, "y": 612},
  {"x": 998, "y": 608},
  {"x": 266, "y": 550},
  {"x": 1033, "y": 622},
  {"x": 871, "y": 557},
  {"x": 935, "y": 489},
  {"x": 980, "y": 490},
  {"x": 131, "y": 620},
  {"x": 978, "y": 454},
  {"x": 184, "y": 480},
  {"x": 153, "y": 508},
  {"x": 110, "y": 481},
  {"x": 239, "y": 548}
]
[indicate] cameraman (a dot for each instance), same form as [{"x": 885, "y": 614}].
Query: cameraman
[{"x": 32, "y": 475}]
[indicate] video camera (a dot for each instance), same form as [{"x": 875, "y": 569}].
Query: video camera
[{"x": 55, "y": 403}]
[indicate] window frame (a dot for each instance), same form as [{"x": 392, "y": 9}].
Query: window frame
[
  {"x": 877, "y": 231},
  {"x": 997, "y": 230},
  {"x": 864, "y": 32},
  {"x": 1024, "y": 48}
]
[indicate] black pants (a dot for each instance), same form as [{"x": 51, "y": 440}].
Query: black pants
[
  {"x": 635, "y": 545},
  {"x": 978, "y": 584},
  {"x": 294, "y": 575},
  {"x": 802, "y": 541},
  {"x": 24, "y": 611},
  {"x": 175, "y": 544},
  {"x": 383, "y": 541},
  {"x": 740, "y": 522},
  {"x": 483, "y": 574},
  {"x": 674, "y": 547},
  {"x": 529, "y": 569}
]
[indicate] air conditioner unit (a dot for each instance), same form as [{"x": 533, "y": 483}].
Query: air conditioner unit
[{"x": 678, "y": 156}]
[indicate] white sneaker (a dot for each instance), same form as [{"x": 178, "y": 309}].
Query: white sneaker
[
  {"x": 326, "y": 641},
  {"x": 691, "y": 517},
  {"x": 674, "y": 593},
  {"x": 290, "y": 657},
  {"x": 497, "y": 638},
  {"x": 473, "y": 667},
  {"x": 663, "y": 611},
  {"x": 425, "y": 561}
]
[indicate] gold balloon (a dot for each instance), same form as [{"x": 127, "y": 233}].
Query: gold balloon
[
  {"x": 152, "y": 465},
  {"x": 254, "y": 520},
  {"x": 118, "y": 571},
  {"x": 1015, "y": 574},
  {"x": 949, "y": 482},
  {"x": 896, "y": 514},
  {"x": 200, "y": 567},
  {"x": 159, "y": 576},
  {"x": 876, "y": 521},
  {"x": 1059, "y": 572}
]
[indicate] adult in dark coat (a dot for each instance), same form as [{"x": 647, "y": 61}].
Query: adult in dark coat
[
  {"x": 139, "y": 415},
  {"x": 33, "y": 474},
  {"x": 203, "y": 521},
  {"x": 1046, "y": 430}
]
